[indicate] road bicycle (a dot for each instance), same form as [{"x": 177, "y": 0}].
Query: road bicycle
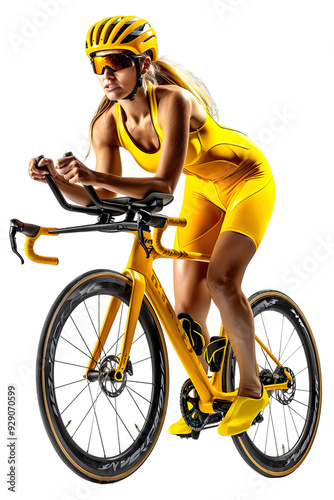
[{"x": 102, "y": 365}]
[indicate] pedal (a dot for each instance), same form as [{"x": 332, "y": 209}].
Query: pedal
[
  {"x": 220, "y": 405},
  {"x": 213, "y": 418},
  {"x": 191, "y": 435},
  {"x": 258, "y": 419}
]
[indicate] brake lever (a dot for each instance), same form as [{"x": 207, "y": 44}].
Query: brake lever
[
  {"x": 15, "y": 226},
  {"x": 29, "y": 230},
  {"x": 32, "y": 233}
]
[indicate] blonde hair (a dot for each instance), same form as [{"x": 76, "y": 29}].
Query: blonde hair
[{"x": 165, "y": 72}]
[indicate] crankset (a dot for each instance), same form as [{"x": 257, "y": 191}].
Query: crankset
[{"x": 191, "y": 413}]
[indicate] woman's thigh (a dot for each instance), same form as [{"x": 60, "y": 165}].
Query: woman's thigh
[
  {"x": 204, "y": 218},
  {"x": 204, "y": 222},
  {"x": 190, "y": 288},
  {"x": 250, "y": 208}
]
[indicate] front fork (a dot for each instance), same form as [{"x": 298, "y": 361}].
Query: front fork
[
  {"x": 137, "y": 261},
  {"x": 137, "y": 295},
  {"x": 136, "y": 300}
]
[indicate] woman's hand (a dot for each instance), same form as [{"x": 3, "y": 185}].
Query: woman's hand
[
  {"x": 75, "y": 171},
  {"x": 39, "y": 175}
]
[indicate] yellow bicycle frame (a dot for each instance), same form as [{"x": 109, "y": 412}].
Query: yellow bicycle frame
[{"x": 140, "y": 270}]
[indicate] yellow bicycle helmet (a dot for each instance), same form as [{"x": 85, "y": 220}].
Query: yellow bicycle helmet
[{"x": 122, "y": 32}]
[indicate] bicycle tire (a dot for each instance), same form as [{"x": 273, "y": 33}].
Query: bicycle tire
[
  {"x": 142, "y": 402},
  {"x": 293, "y": 412}
]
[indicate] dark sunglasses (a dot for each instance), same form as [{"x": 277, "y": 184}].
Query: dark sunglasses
[{"x": 114, "y": 62}]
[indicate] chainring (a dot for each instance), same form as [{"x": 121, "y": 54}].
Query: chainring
[{"x": 189, "y": 403}]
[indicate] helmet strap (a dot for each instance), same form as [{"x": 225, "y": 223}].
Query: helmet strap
[{"x": 139, "y": 83}]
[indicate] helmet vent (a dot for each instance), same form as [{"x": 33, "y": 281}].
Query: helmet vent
[
  {"x": 109, "y": 30},
  {"x": 102, "y": 25},
  {"x": 123, "y": 28},
  {"x": 100, "y": 28},
  {"x": 98, "y": 34},
  {"x": 149, "y": 38},
  {"x": 136, "y": 33},
  {"x": 91, "y": 38}
]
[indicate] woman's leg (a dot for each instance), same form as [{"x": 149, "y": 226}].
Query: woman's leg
[
  {"x": 205, "y": 220},
  {"x": 230, "y": 258},
  {"x": 193, "y": 297},
  {"x": 192, "y": 294}
]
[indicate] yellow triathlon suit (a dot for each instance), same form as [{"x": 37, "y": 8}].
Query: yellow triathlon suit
[{"x": 229, "y": 184}]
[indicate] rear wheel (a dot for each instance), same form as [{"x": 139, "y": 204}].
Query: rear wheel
[
  {"x": 101, "y": 428},
  {"x": 276, "y": 446}
]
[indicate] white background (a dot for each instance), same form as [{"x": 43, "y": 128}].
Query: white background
[{"x": 268, "y": 65}]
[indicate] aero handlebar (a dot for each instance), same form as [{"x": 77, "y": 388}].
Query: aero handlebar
[
  {"x": 114, "y": 206},
  {"x": 144, "y": 209}
]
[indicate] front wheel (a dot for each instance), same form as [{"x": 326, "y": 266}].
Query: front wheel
[
  {"x": 101, "y": 428},
  {"x": 276, "y": 446}
]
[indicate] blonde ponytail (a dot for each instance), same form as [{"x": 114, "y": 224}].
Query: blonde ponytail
[{"x": 165, "y": 72}]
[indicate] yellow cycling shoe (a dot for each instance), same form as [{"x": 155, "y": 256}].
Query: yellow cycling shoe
[
  {"x": 242, "y": 413},
  {"x": 179, "y": 428}
]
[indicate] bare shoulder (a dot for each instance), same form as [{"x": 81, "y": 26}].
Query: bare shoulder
[
  {"x": 172, "y": 98},
  {"x": 105, "y": 129},
  {"x": 167, "y": 94}
]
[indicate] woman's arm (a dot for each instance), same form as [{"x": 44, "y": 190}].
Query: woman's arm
[
  {"x": 174, "y": 118},
  {"x": 107, "y": 157},
  {"x": 107, "y": 160},
  {"x": 104, "y": 139}
]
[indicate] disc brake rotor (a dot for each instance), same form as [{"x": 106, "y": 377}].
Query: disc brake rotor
[
  {"x": 285, "y": 396},
  {"x": 108, "y": 384}
]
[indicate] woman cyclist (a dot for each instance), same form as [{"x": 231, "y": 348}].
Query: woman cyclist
[{"x": 164, "y": 117}]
